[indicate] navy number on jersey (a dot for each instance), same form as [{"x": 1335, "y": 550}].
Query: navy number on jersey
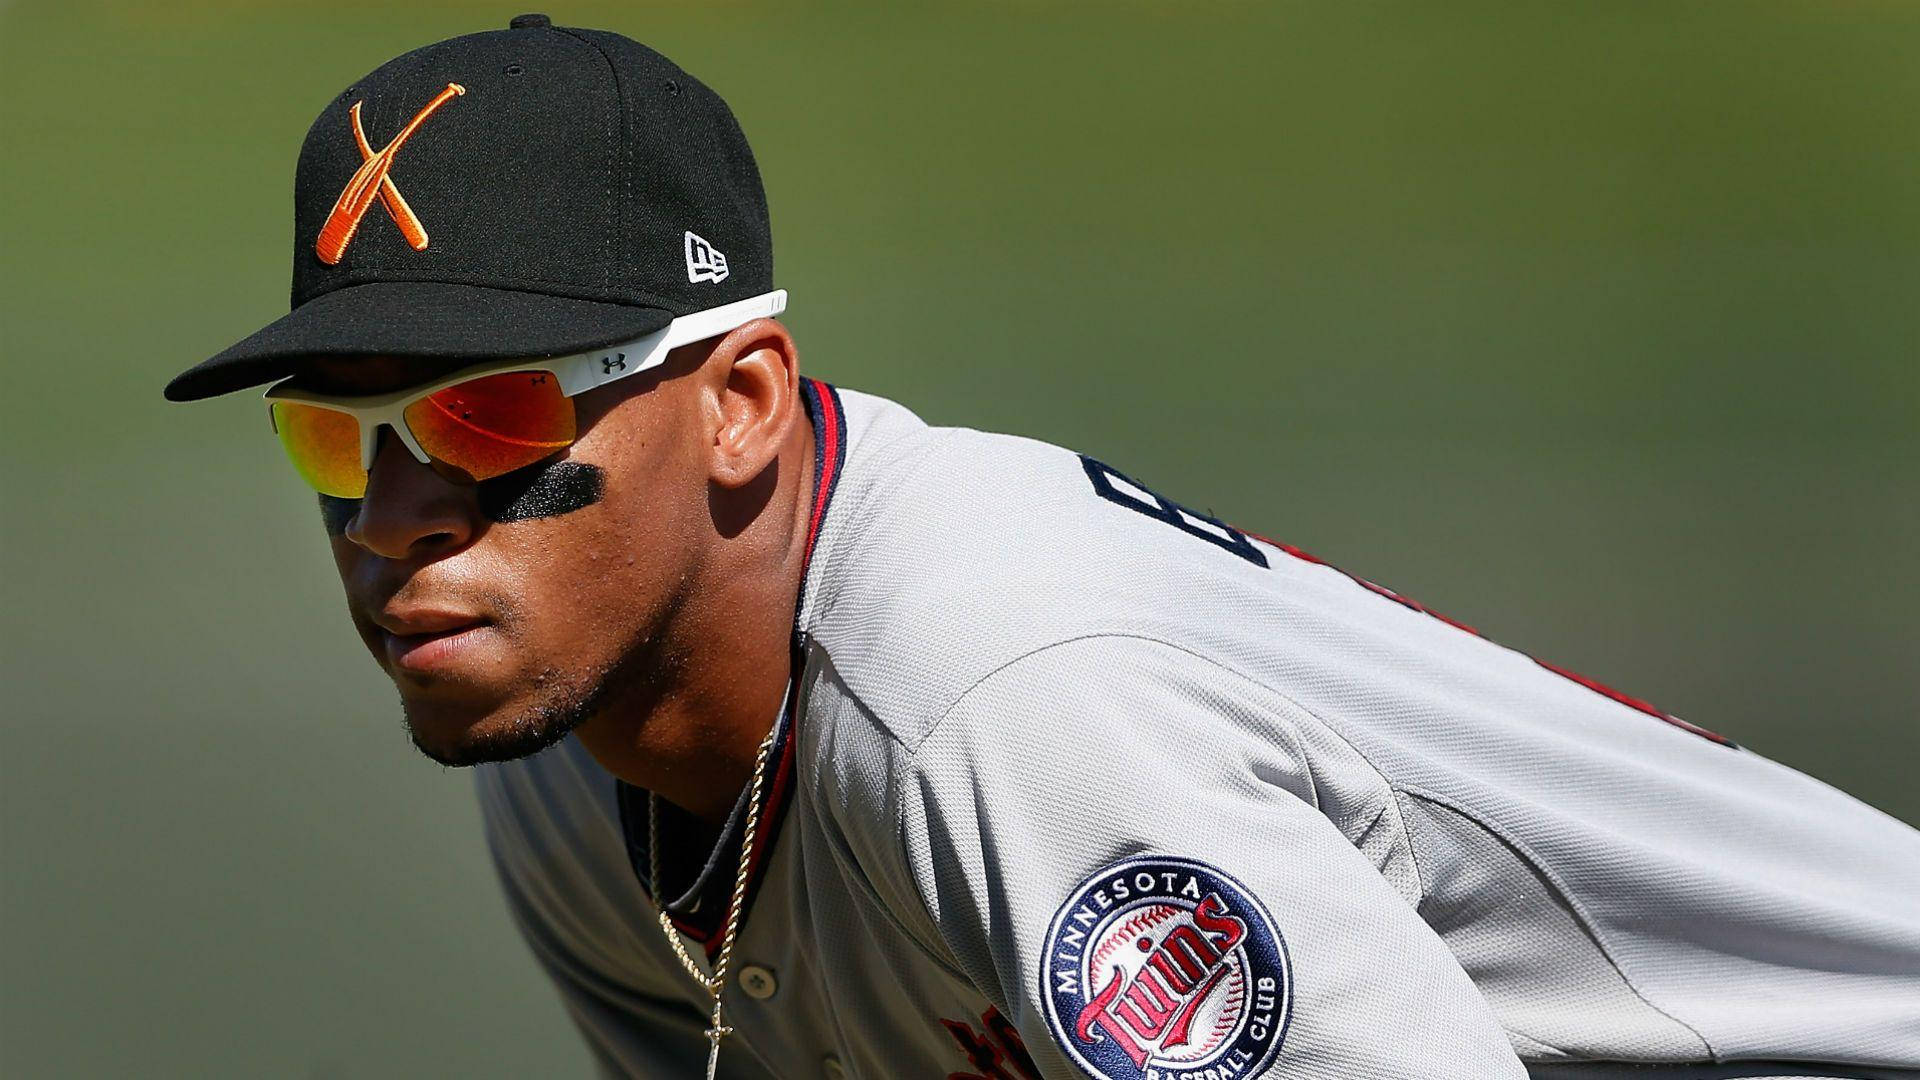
[{"x": 1116, "y": 487}]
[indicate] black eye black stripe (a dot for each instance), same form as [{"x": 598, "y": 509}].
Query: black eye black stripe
[
  {"x": 538, "y": 491},
  {"x": 541, "y": 491}
]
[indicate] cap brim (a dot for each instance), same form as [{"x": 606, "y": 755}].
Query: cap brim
[{"x": 460, "y": 324}]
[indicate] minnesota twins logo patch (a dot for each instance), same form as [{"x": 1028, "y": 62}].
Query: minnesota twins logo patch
[{"x": 1166, "y": 969}]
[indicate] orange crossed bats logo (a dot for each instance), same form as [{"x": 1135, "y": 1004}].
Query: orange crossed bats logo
[{"x": 371, "y": 180}]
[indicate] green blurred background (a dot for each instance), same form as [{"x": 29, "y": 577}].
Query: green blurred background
[{"x": 1593, "y": 325}]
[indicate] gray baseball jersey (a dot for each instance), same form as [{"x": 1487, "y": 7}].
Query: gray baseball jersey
[{"x": 1075, "y": 781}]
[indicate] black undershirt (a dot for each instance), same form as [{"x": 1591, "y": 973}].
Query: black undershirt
[{"x": 698, "y": 860}]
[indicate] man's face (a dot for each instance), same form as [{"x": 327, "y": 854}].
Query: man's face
[{"x": 507, "y": 612}]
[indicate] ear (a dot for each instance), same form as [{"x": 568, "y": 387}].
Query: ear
[{"x": 756, "y": 394}]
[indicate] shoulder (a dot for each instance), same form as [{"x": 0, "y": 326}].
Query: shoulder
[{"x": 948, "y": 553}]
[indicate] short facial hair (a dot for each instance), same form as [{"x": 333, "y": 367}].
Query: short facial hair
[{"x": 563, "y": 705}]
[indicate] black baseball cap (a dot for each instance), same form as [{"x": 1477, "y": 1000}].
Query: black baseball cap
[{"x": 535, "y": 191}]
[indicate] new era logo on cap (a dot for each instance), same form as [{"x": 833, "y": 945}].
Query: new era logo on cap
[{"x": 704, "y": 261}]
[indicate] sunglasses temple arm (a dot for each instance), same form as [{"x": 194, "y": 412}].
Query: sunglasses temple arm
[{"x": 584, "y": 371}]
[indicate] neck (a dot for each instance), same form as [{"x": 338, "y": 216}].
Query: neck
[{"x": 726, "y": 653}]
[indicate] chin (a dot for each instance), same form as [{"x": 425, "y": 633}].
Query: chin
[{"x": 457, "y": 736}]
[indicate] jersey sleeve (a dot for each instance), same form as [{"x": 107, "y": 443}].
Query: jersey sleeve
[{"x": 1122, "y": 846}]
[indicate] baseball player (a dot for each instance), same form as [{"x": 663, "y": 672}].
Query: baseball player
[{"x": 817, "y": 741}]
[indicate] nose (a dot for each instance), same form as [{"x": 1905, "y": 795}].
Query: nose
[{"x": 409, "y": 511}]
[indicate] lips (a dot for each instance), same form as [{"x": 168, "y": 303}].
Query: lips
[
  {"x": 415, "y": 622},
  {"x": 424, "y": 641}
]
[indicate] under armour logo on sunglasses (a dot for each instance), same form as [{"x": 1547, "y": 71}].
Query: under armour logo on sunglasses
[{"x": 371, "y": 180}]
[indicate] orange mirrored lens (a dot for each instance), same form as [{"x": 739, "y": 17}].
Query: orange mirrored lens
[
  {"x": 495, "y": 424},
  {"x": 324, "y": 446}
]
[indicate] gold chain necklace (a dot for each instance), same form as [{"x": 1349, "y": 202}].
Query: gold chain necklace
[{"x": 716, "y": 982}]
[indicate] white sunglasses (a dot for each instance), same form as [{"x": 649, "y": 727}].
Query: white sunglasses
[{"x": 483, "y": 420}]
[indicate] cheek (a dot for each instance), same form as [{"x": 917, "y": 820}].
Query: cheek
[{"x": 597, "y": 577}]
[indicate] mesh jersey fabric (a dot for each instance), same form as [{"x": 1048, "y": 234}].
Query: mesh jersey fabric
[{"x": 1020, "y": 667}]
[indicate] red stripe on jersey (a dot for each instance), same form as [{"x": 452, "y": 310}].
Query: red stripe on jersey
[
  {"x": 1632, "y": 702},
  {"x": 1378, "y": 590},
  {"x": 1591, "y": 684},
  {"x": 828, "y": 453}
]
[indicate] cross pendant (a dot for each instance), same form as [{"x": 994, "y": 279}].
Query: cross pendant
[{"x": 714, "y": 1035}]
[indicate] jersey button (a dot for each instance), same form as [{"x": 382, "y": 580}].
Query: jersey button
[
  {"x": 757, "y": 982},
  {"x": 831, "y": 1068}
]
